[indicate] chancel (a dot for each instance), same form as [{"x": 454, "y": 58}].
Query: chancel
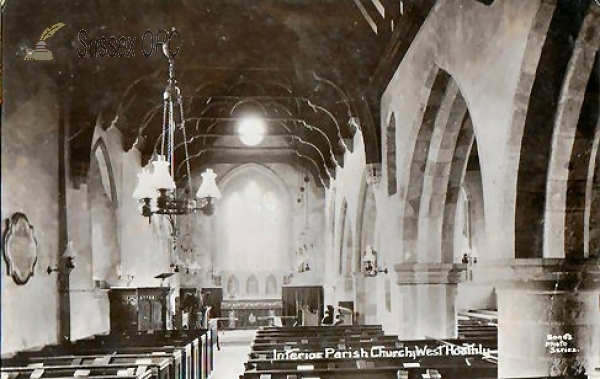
[{"x": 300, "y": 189}]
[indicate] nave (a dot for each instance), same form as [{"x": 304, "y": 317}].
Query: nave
[{"x": 177, "y": 170}]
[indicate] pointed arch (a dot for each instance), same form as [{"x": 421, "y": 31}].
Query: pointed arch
[
  {"x": 233, "y": 286},
  {"x": 252, "y": 286},
  {"x": 271, "y": 285}
]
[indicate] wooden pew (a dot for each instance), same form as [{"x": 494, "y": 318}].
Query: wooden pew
[
  {"x": 271, "y": 330},
  {"x": 262, "y": 362},
  {"x": 197, "y": 347},
  {"x": 84, "y": 371},
  {"x": 388, "y": 372},
  {"x": 318, "y": 335},
  {"x": 321, "y": 342},
  {"x": 162, "y": 363},
  {"x": 391, "y": 342},
  {"x": 191, "y": 353}
]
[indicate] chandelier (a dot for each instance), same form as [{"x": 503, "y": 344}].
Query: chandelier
[{"x": 156, "y": 190}]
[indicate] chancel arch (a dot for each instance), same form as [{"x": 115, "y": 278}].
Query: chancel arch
[{"x": 253, "y": 225}]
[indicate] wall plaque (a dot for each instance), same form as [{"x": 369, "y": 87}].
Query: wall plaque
[{"x": 19, "y": 248}]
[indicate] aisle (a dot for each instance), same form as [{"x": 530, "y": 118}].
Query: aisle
[{"x": 235, "y": 347}]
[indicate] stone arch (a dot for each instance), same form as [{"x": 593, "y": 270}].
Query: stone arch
[
  {"x": 578, "y": 227},
  {"x": 572, "y": 143},
  {"x": 535, "y": 148},
  {"x": 366, "y": 222},
  {"x": 367, "y": 294},
  {"x": 440, "y": 158},
  {"x": 438, "y": 164},
  {"x": 390, "y": 135},
  {"x": 100, "y": 152},
  {"x": 462, "y": 150},
  {"x": 592, "y": 196},
  {"x": 280, "y": 195},
  {"x": 421, "y": 134},
  {"x": 473, "y": 185},
  {"x": 225, "y": 181},
  {"x": 529, "y": 65},
  {"x": 105, "y": 254}
]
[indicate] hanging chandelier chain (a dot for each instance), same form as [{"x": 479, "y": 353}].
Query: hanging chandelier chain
[
  {"x": 164, "y": 128},
  {"x": 185, "y": 146},
  {"x": 171, "y": 138},
  {"x": 157, "y": 190}
]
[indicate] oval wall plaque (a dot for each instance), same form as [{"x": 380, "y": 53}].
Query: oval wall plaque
[{"x": 19, "y": 248}]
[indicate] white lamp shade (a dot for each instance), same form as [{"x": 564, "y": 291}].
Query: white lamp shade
[
  {"x": 208, "y": 188},
  {"x": 369, "y": 256},
  {"x": 145, "y": 188},
  {"x": 161, "y": 178}
]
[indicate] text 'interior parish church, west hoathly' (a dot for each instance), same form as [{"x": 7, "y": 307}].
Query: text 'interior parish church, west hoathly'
[{"x": 224, "y": 189}]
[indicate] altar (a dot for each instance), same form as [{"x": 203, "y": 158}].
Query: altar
[{"x": 248, "y": 314}]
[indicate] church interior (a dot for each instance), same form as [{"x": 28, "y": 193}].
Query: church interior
[{"x": 354, "y": 188}]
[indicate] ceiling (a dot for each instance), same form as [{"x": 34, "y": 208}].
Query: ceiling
[{"x": 313, "y": 66}]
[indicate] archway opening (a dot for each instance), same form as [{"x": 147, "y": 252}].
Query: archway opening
[
  {"x": 252, "y": 228},
  {"x": 105, "y": 256}
]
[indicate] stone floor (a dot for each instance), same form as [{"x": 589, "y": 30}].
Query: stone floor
[{"x": 235, "y": 347}]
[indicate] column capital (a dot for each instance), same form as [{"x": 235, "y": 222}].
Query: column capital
[
  {"x": 542, "y": 274},
  {"x": 429, "y": 273}
]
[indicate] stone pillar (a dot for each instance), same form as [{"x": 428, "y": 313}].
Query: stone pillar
[
  {"x": 549, "y": 319},
  {"x": 428, "y": 291}
]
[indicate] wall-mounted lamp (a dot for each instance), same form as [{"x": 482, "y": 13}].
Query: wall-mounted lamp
[
  {"x": 127, "y": 278},
  {"x": 370, "y": 264},
  {"x": 302, "y": 261},
  {"x": 303, "y": 267},
  {"x": 65, "y": 264}
]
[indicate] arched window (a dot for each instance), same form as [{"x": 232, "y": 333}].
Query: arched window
[
  {"x": 388, "y": 294},
  {"x": 391, "y": 155},
  {"x": 271, "y": 285},
  {"x": 463, "y": 237},
  {"x": 252, "y": 286},
  {"x": 233, "y": 286},
  {"x": 342, "y": 235},
  {"x": 252, "y": 223}
]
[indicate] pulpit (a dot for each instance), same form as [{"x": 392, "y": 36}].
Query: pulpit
[
  {"x": 294, "y": 299},
  {"x": 138, "y": 309}
]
